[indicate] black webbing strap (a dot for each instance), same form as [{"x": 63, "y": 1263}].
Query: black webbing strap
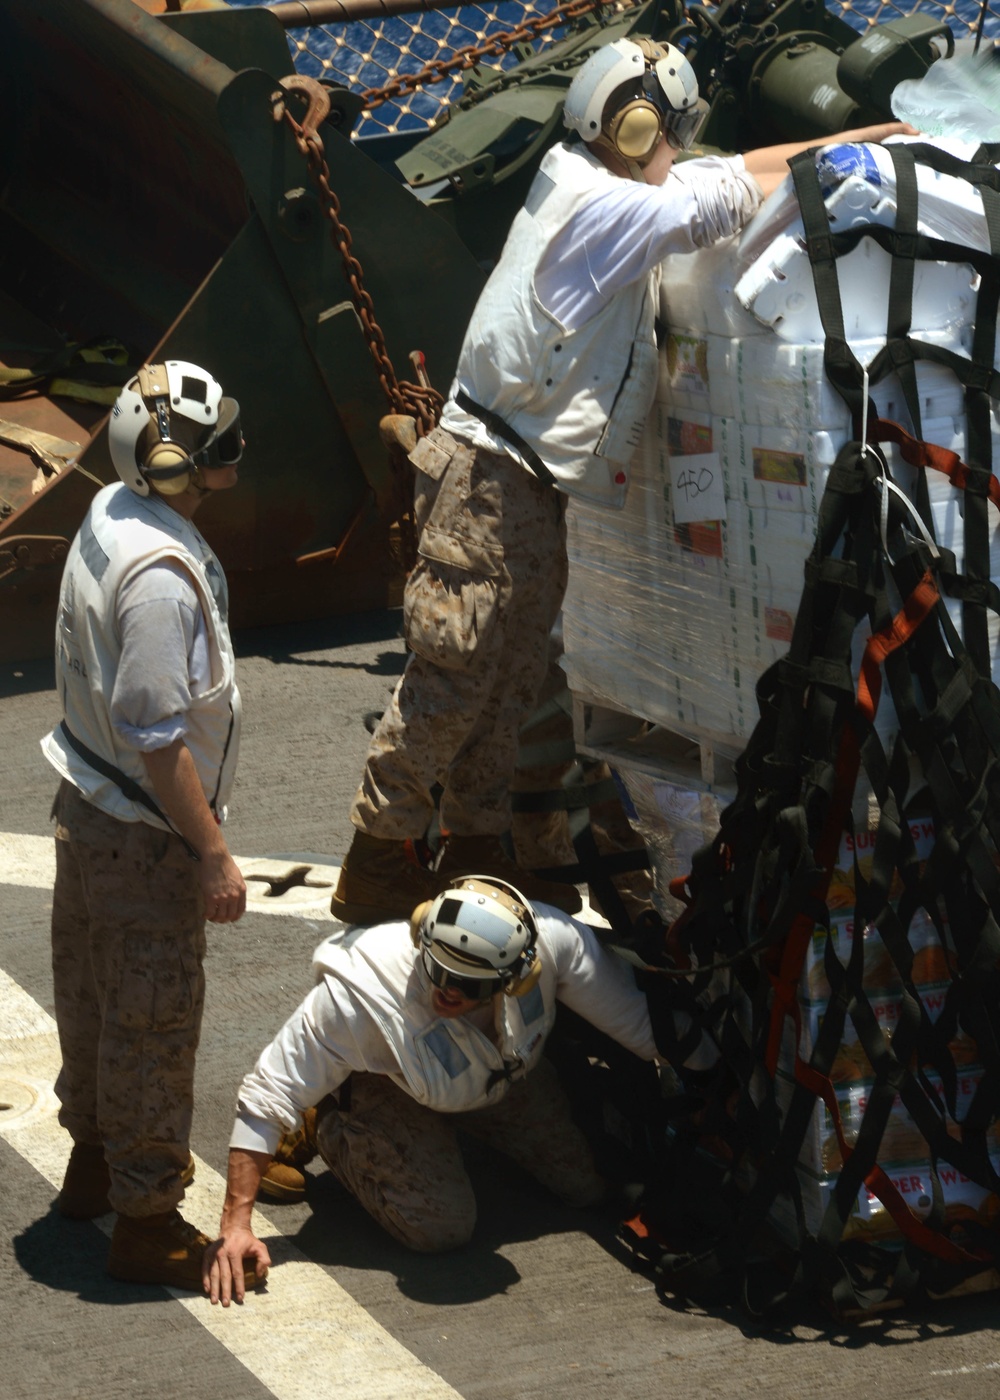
[
  {"x": 842, "y": 367},
  {"x": 574, "y": 797},
  {"x": 501, "y": 429},
  {"x": 756, "y": 889},
  {"x": 900, "y": 311},
  {"x": 124, "y": 783}
]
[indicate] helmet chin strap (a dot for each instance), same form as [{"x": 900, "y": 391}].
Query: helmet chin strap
[{"x": 635, "y": 170}]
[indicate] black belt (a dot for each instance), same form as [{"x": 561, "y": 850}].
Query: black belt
[
  {"x": 129, "y": 788},
  {"x": 503, "y": 430}
]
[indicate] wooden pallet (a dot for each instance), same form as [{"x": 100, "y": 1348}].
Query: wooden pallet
[{"x": 604, "y": 731}]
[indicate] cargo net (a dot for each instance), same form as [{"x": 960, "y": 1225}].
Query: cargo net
[
  {"x": 368, "y": 58},
  {"x": 839, "y": 952}
]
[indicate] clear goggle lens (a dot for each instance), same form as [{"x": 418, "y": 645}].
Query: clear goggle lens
[
  {"x": 681, "y": 127},
  {"x": 224, "y": 447}
]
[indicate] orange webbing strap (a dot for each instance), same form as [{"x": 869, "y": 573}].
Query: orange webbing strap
[
  {"x": 876, "y": 1180},
  {"x": 882, "y": 644},
  {"x": 927, "y": 454}
]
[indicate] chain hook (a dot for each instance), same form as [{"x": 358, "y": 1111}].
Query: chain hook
[{"x": 319, "y": 103}]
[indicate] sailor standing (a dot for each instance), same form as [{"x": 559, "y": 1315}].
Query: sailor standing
[
  {"x": 555, "y": 379},
  {"x": 147, "y": 755}
]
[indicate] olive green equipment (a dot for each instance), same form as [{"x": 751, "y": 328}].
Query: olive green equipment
[{"x": 154, "y": 196}]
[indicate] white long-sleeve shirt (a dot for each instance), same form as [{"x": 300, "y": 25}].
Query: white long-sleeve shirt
[
  {"x": 371, "y": 1012},
  {"x": 562, "y": 345},
  {"x": 628, "y": 228}
]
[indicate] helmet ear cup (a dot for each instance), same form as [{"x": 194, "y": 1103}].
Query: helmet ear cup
[
  {"x": 635, "y": 130},
  {"x": 168, "y": 468},
  {"x": 521, "y": 986},
  {"x": 417, "y": 918}
]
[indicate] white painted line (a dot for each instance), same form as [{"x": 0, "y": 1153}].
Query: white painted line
[
  {"x": 302, "y": 1337},
  {"x": 968, "y": 1370},
  {"x": 30, "y": 862},
  {"x": 27, "y": 860}
]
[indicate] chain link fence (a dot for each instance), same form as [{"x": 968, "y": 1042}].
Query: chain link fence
[{"x": 364, "y": 55}]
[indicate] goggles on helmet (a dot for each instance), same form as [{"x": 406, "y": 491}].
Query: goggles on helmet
[
  {"x": 472, "y": 988},
  {"x": 224, "y": 446},
  {"x": 679, "y": 126}
]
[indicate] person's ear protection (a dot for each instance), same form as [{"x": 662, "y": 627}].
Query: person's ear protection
[
  {"x": 634, "y": 132},
  {"x": 416, "y": 919},
  {"x": 521, "y": 986},
  {"x": 166, "y": 465}
]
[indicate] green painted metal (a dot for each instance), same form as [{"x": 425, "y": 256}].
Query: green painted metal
[
  {"x": 151, "y": 192},
  {"x": 147, "y": 191}
]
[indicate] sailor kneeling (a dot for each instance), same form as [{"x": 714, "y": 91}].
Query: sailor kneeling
[{"x": 413, "y": 1031}]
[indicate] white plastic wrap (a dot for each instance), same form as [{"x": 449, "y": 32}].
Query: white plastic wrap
[
  {"x": 672, "y": 614},
  {"x": 673, "y": 617}
]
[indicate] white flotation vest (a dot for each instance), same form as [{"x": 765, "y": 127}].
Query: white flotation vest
[
  {"x": 122, "y": 534},
  {"x": 580, "y": 398},
  {"x": 447, "y": 1065}
]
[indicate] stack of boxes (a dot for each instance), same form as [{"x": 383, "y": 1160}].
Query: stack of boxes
[{"x": 675, "y": 609}]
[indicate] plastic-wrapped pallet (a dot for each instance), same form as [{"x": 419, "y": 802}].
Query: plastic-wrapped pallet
[
  {"x": 674, "y": 610},
  {"x": 677, "y": 603}
]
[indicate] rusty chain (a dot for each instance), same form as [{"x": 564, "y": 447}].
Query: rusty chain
[
  {"x": 419, "y": 401},
  {"x": 468, "y": 57}
]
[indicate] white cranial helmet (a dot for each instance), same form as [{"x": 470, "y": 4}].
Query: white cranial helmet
[
  {"x": 479, "y": 935},
  {"x": 167, "y": 423},
  {"x": 629, "y": 93}
]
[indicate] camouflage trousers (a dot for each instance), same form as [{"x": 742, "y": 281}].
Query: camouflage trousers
[
  {"x": 478, "y": 609},
  {"x": 547, "y": 762},
  {"x": 128, "y": 942},
  {"x": 403, "y": 1163}
]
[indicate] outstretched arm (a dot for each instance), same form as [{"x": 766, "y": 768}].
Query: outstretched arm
[
  {"x": 222, "y": 1267},
  {"x": 769, "y": 164}
]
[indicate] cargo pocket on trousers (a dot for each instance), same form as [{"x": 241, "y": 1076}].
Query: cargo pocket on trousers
[
  {"x": 160, "y": 985},
  {"x": 450, "y": 614}
]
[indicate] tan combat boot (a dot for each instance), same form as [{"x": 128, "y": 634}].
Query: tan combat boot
[
  {"x": 284, "y": 1179},
  {"x": 84, "y": 1194},
  {"x": 381, "y": 880},
  {"x": 485, "y": 855},
  {"x": 161, "y": 1249}
]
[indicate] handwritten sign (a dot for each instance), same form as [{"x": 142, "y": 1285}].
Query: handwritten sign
[{"x": 697, "y": 489}]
